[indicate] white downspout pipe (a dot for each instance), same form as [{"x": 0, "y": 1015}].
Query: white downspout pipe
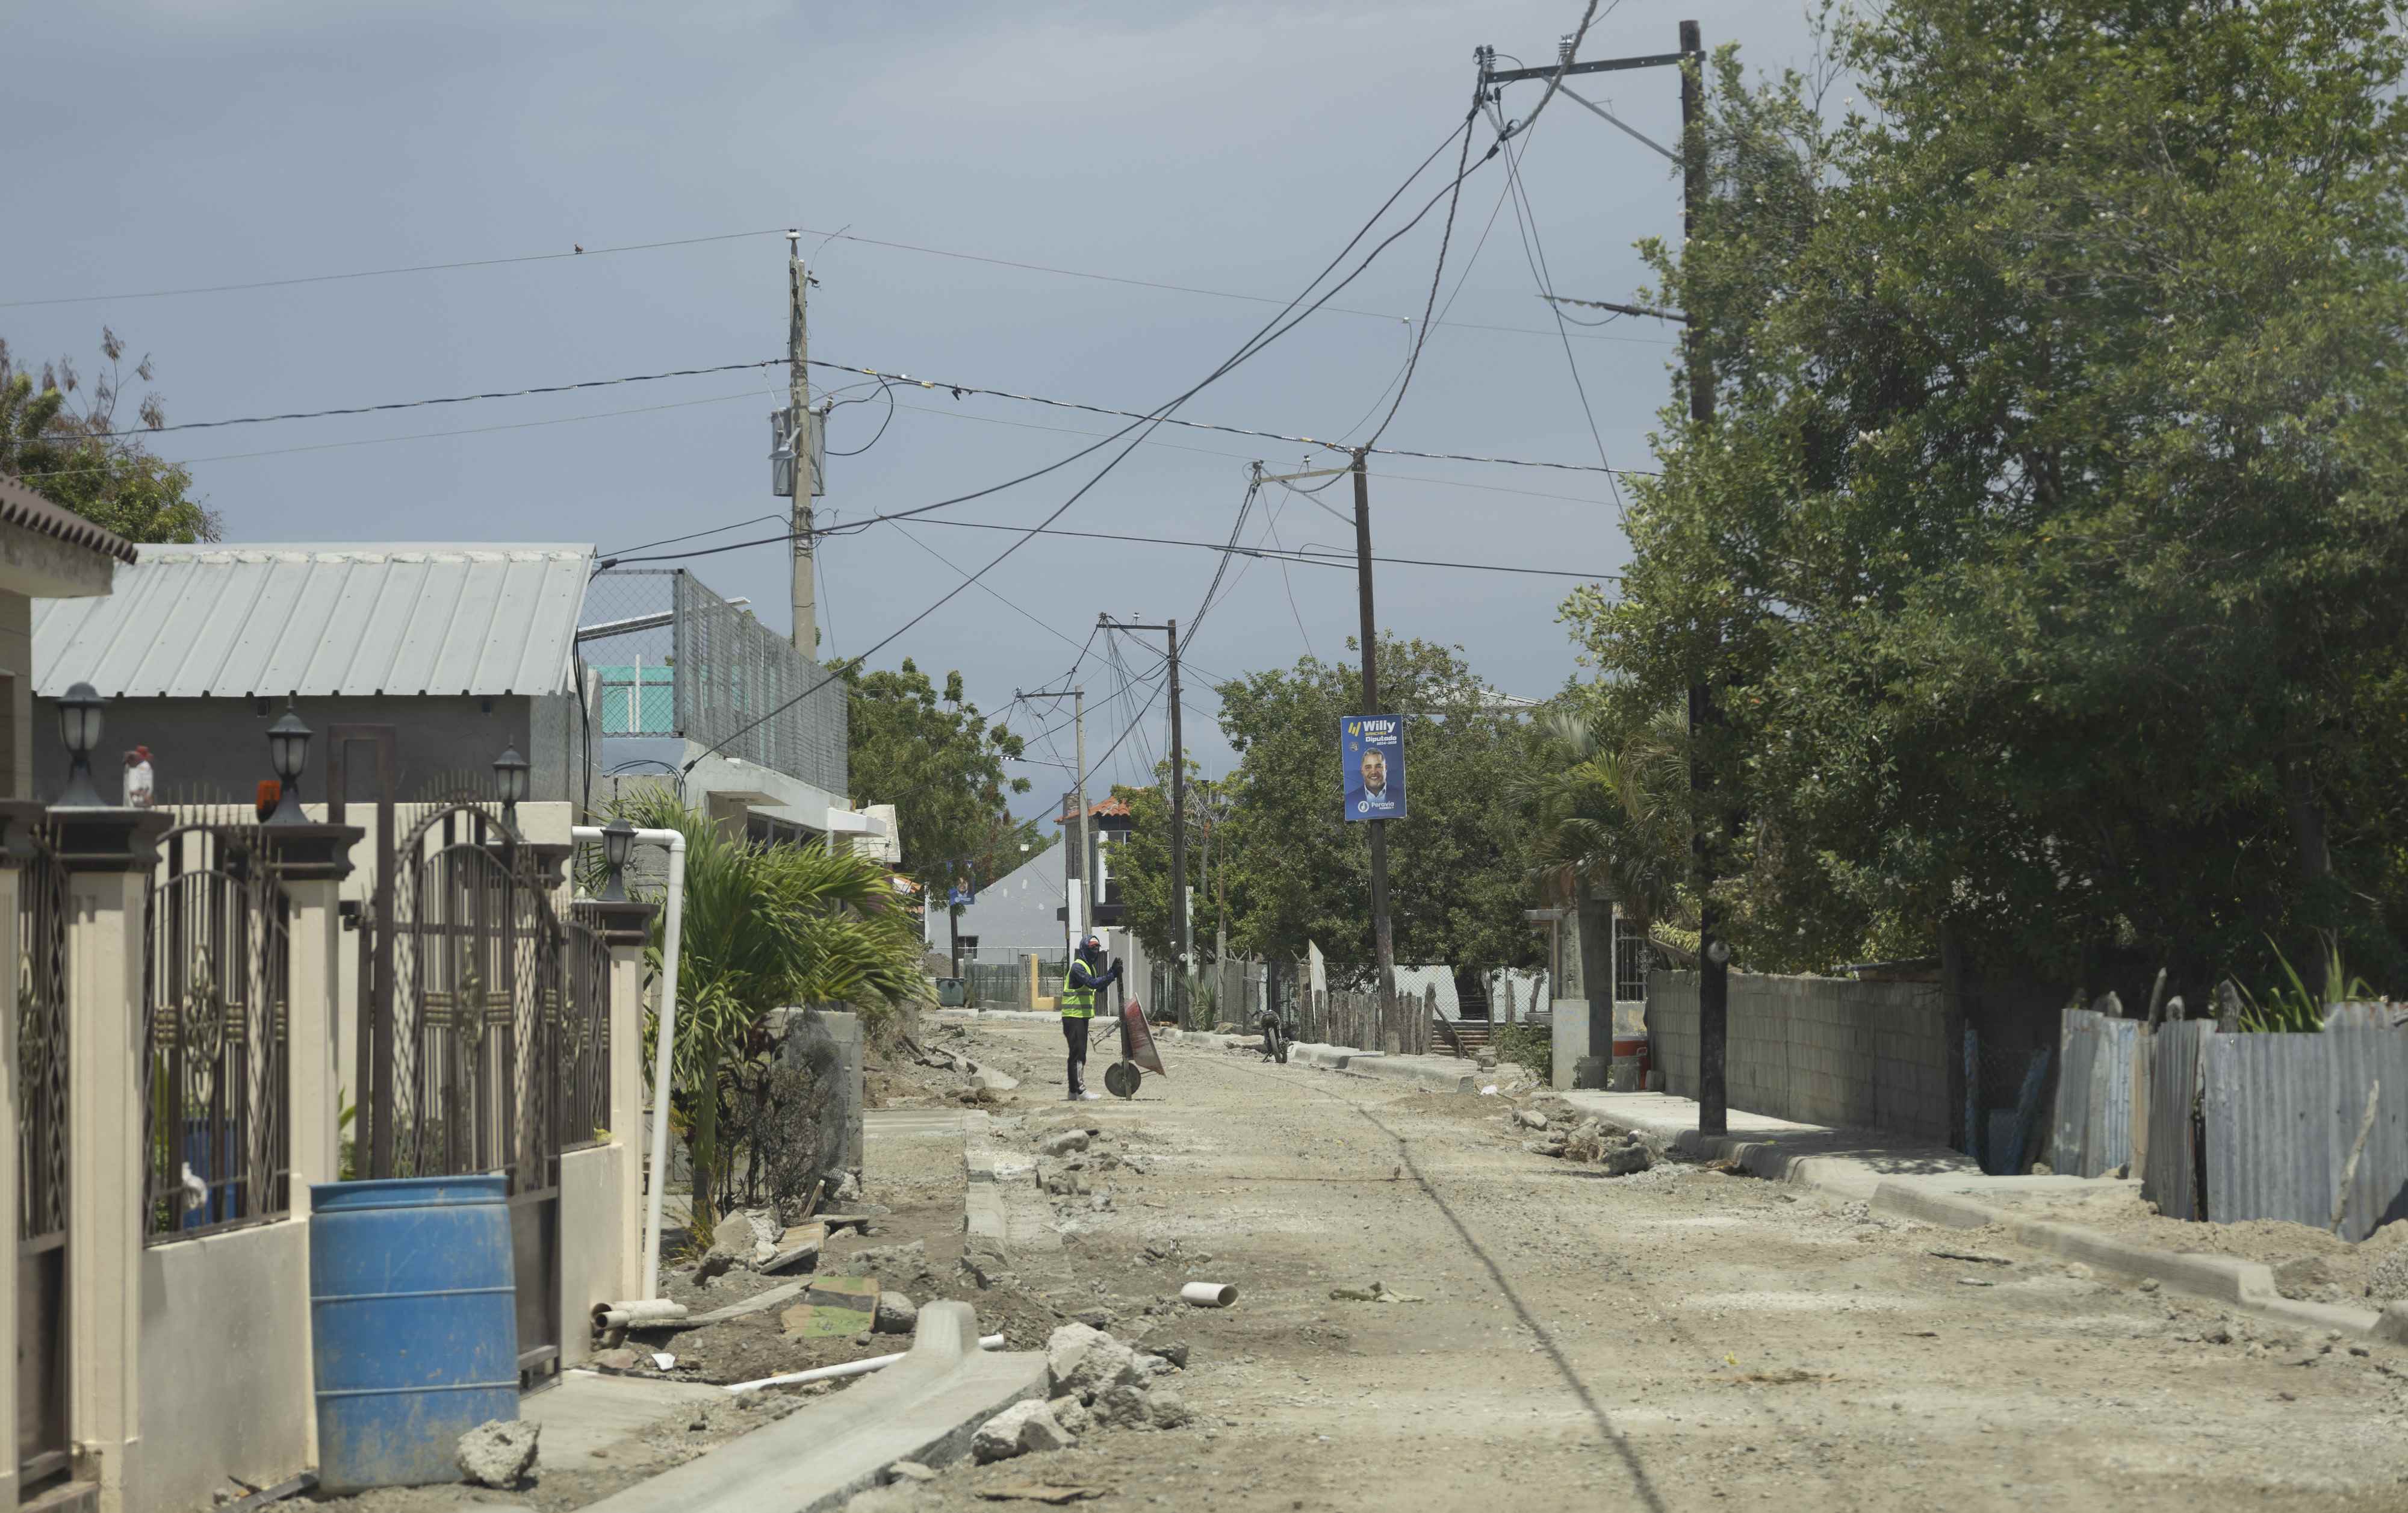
[{"x": 663, "y": 1042}]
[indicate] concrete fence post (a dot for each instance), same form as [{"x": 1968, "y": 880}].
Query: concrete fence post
[
  {"x": 626, "y": 929},
  {"x": 108, "y": 855}
]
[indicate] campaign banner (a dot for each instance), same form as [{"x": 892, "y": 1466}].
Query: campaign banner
[{"x": 1371, "y": 753}]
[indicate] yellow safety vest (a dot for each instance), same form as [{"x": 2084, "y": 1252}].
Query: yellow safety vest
[{"x": 1078, "y": 1002}]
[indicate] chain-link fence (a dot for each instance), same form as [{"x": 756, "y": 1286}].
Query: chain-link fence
[{"x": 673, "y": 659}]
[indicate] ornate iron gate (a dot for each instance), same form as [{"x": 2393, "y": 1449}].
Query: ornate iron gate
[
  {"x": 465, "y": 1055},
  {"x": 44, "y": 1371},
  {"x": 217, "y": 937}
]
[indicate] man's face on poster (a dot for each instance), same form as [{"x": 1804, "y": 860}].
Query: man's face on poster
[{"x": 1375, "y": 772}]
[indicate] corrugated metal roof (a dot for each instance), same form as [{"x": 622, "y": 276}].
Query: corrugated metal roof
[
  {"x": 21, "y": 506},
  {"x": 235, "y": 621}
]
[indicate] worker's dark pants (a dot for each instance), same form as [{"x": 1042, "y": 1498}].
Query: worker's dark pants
[{"x": 1074, "y": 1030}]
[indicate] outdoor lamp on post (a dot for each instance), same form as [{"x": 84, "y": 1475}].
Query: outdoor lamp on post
[
  {"x": 79, "y": 727},
  {"x": 618, "y": 840},
  {"x": 510, "y": 777},
  {"x": 288, "y": 752}
]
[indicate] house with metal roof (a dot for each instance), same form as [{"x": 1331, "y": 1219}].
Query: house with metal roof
[{"x": 465, "y": 650}]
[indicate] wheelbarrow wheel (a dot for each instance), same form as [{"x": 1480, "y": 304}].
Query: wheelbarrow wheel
[{"x": 1121, "y": 1079}]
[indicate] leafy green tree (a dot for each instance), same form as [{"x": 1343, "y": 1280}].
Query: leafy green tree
[
  {"x": 937, "y": 759},
  {"x": 60, "y": 437},
  {"x": 1298, "y": 871},
  {"x": 2043, "y": 547}
]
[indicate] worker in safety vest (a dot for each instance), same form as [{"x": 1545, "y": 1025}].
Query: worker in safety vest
[{"x": 1087, "y": 977}]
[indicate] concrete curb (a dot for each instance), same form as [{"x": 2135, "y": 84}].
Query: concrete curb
[
  {"x": 1442, "y": 1074},
  {"x": 1329, "y": 1057},
  {"x": 971, "y": 1016},
  {"x": 2241, "y": 1284},
  {"x": 922, "y": 1408},
  {"x": 1822, "y": 1159}
]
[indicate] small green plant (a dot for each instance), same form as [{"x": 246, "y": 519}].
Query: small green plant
[
  {"x": 2292, "y": 1007},
  {"x": 1528, "y": 1045}
]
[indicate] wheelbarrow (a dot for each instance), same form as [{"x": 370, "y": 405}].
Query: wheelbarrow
[{"x": 1137, "y": 1054}]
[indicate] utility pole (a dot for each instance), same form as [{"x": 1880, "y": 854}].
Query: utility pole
[
  {"x": 1181, "y": 944},
  {"x": 1077, "y": 864},
  {"x": 1714, "y": 951},
  {"x": 1384, "y": 939},
  {"x": 805, "y": 473}
]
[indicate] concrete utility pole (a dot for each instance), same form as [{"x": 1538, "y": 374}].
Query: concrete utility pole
[
  {"x": 1714, "y": 953},
  {"x": 1181, "y": 946},
  {"x": 1078, "y": 866},
  {"x": 798, "y": 431}
]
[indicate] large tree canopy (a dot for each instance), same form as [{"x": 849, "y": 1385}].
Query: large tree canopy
[
  {"x": 938, "y": 762},
  {"x": 61, "y": 436},
  {"x": 2045, "y": 549}
]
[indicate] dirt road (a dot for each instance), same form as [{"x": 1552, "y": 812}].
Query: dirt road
[{"x": 1676, "y": 1339}]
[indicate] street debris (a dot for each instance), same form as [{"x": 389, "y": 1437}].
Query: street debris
[
  {"x": 911, "y": 1471},
  {"x": 833, "y": 1305},
  {"x": 896, "y": 1314},
  {"x": 1021, "y": 1429},
  {"x": 1971, "y": 1255},
  {"x": 1208, "y": 1294},
  {"x": 1530, "y": 1118},
  {"x": 1376, "y": 1293},
  {"x": 498, "y": 1453},
  {"x": 1786, "y": 1376},
  {"x": 1033, "y": 1492}
]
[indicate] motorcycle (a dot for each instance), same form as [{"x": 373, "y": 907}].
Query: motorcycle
[{"x": 1277, "y": 1037}]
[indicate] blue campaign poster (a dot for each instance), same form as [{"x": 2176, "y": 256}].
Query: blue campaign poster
[{"x": 1371, "y": 753}]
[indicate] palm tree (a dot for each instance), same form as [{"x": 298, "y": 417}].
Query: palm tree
[
  {"x": 1611, "y": 811},
  {"x": 766, "y": 926}
]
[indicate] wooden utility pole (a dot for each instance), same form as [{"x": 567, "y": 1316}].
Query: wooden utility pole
[
  {"x": 1181, "y": 945},
  {"x": 1086, "y": 903},
  {"x": 1384, "y": 939},
  {"x": 799, "y": 440}
]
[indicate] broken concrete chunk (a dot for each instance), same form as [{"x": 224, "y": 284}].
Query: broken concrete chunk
[
  {"x": 1122, "y": 1407},
  {"x": 1021, "y": 1429},
  {"x": 1174, "y": 1351},
  {"x": 1073, "y": 1415},
  {"x": 987, "y": 1079},
  {"x": 1085, "y": 1361},
  {"x": 911, "y": 1471},
  {"x": 1066, "y": 1142},
  {"x": 898, "y": 1260},
  {"x": 1530, "y": 1118},
  {"x": 896, "y": 1314},
  {"x": 1166, "y": 1409},
  {"x": 498, "y": 1453}
]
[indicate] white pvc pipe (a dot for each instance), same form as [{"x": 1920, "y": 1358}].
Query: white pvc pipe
[
  {"x": 851, "y": 1368},
  {"x": 1209, "y": 1294},
  {"x": 675, "y": 841}
]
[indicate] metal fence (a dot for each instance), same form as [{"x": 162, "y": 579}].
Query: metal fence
[
  {"x": 2308, "y": 1128},
  {"x": 671, "y": 658}
]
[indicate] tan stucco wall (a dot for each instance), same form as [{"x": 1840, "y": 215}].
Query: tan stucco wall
[
  {"x": 17, "y": 660},
  {"x": 593, "y": 1265},
  {"x": 225, "y": 1365}
]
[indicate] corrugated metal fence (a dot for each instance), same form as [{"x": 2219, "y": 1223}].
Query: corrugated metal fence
[{"x": 2237, "y": 1127}]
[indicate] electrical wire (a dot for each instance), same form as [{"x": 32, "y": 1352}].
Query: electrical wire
[
  {"x": 672, "y": 540},
  {"x": 1268, "y": 333},
  {"x": 1331, "y": 558},
  {"x": 884, "y": 388},
  {"x": 988, "y": 589},
  {"x": 957, "y": 390},
  {"x": 1438, "y": 274}
]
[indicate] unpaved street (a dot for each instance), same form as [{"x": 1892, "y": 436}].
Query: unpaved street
[{"x": 1676, "y": 1339}]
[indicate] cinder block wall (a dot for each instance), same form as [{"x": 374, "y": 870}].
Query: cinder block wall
[{"x": 1819, "y": 1050}]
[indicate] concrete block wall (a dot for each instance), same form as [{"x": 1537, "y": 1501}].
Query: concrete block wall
[{"x": 1819, "y": 1050}]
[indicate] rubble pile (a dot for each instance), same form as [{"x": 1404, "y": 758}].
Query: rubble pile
[
  {"x": 1097, "y": 1382},
  {"x": 1591, "y": 1142}
]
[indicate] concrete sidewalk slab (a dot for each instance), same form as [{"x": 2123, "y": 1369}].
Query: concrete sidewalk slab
[
  {"x": 925, "y": 1408},
  {"x": 588, "y": 1411}
]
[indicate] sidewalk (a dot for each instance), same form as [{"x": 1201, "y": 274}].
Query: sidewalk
[{"x": 1935, "y": 1184}]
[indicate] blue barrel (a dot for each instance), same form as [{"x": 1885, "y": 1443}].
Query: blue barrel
[{"x": 414, "y": 1323}]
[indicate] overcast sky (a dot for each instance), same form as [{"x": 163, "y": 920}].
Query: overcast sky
[{"x": 1225, "y": 147}]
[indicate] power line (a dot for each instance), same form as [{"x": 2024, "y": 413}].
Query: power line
[
  {"x": 387, "y": 273},
  {"x": 1331, "y": 558},
  {"x": 957, "y": 390},
  {"x": 454, "y": 399},
  {"x": 767, "y": 231},
  {"x": 426, "y": 436},
  {"x": 1271, "y": 331}
]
